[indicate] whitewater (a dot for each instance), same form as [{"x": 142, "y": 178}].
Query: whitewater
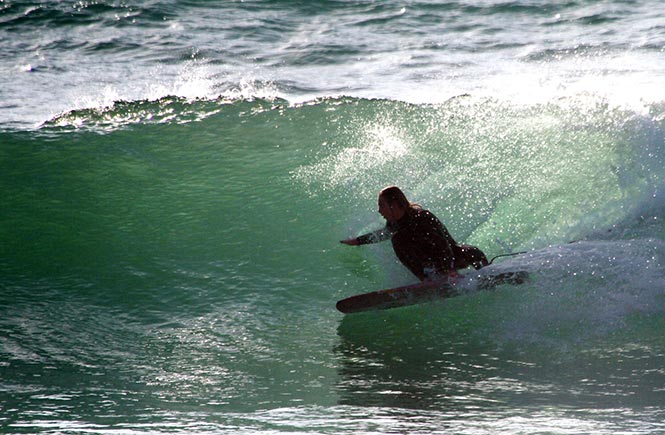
[{"x": 176, "y": 176}]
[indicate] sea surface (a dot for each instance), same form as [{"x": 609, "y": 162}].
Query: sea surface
[{"x": 175, "y": 177}]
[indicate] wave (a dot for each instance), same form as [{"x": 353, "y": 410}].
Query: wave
[
  {"x": 236, "y": 201},
  {"x": 506, "y": 175},
  {"x": 164, "y": 254},
  {"x": 21, "y": 16}
]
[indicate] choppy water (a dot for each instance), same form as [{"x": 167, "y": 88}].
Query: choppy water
[{"x": 175, "y": 178}]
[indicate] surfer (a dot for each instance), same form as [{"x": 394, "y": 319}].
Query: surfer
[{"x": 421, "y": 242}]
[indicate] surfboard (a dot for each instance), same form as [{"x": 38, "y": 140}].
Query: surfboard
[{"x": 423, "y": 292}]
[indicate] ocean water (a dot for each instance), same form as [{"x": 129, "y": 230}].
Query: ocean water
[{"x": 175, "y": 177}]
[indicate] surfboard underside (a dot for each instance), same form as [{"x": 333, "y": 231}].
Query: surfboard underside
[{"x": 421, "y": 293}]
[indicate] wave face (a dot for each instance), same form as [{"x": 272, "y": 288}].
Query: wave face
[{"x": 176, "y": 263}]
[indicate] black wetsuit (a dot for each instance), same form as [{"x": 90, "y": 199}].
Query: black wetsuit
[{"x": 424, "y": 245}]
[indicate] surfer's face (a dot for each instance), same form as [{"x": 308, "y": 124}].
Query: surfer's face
[{"x": 391, "y": 212}]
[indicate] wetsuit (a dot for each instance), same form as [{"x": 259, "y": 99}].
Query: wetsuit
[{"x": 424, "y": 245}]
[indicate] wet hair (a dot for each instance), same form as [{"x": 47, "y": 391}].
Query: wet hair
[{"x": 394, "y": 195}]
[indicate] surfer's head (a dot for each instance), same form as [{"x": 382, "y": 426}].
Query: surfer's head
[{"x": 393, "y": 203}]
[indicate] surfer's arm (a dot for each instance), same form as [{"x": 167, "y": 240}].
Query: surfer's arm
[
  {"x": 373, "y": 237},
  {"x": 440, "y": 237}
]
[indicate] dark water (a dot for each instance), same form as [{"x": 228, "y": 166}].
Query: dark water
[{"x": 175, "y": 179}]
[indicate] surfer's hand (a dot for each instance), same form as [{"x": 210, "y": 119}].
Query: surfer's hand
[{"x": 351, "y": 242}]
